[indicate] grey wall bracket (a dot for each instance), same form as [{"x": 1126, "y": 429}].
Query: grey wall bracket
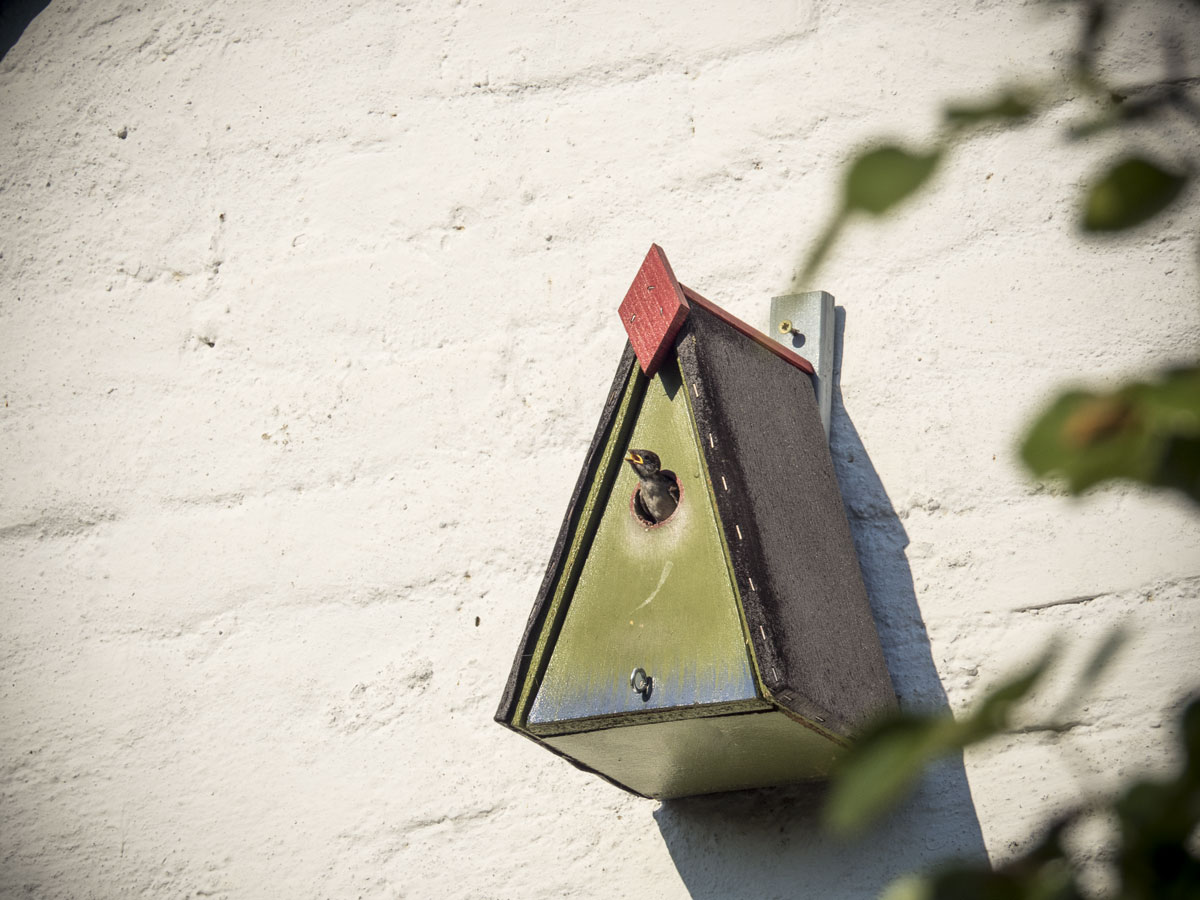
[{"x": 804, "y": 323}]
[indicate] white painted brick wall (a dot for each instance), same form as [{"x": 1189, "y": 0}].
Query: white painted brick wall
[{"x": 298, "y": 374}]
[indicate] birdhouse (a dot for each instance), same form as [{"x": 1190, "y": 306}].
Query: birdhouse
[{"x": 727, "y": 643}]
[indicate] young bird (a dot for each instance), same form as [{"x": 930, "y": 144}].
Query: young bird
[{"x": 658, "y": 493}]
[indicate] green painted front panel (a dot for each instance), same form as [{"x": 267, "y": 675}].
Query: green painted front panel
[
  {"x": 704, "y": 755},
  {"x": 658, "y": 598}
]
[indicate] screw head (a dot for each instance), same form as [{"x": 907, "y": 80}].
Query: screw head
[
  {"x": 641, "y": 682},
  {"x": 785, "y": 327}
]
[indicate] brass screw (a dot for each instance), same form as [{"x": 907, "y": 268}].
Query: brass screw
[{"x": 785, "y": 327}]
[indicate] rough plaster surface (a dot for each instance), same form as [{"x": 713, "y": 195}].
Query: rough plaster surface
[{"x": 307, "y": 315}]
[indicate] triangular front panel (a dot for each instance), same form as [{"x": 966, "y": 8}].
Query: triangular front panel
[{"x": 656, "y": 598}]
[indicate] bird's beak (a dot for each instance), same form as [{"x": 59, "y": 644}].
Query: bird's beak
[{"x": 633, "y": 458}]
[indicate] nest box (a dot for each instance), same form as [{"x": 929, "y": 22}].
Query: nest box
[{"x": 730, "y": 645}]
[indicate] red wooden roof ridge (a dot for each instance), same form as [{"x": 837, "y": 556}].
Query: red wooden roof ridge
[
  {"x": 653, "y": 311},
  {"x": 656, "y": 306}
]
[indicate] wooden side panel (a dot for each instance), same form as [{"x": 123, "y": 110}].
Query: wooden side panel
[
  {"x": 778, "y": 501},
  {"x": 653, "y": 310},
  {"x": 704, "y": 755}
]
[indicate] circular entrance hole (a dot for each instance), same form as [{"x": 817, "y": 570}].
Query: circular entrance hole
[{"x": 638, "y": 509}]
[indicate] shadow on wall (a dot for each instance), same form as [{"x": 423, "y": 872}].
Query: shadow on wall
[
  {"x": 14, "y": 17},
  {"x": 769, "y": 843}
]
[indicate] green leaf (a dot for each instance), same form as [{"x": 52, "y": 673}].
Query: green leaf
[
  {"x": 1042, "y": 872},
  {"x": 1103, "y": 655},
  {"x": 882, "y": 767},
  {"x": 1146, "y": 432},
  {"x": 816, "y": 255},
  {"x": 1010, "y": 107},
  {"x": 1180, "y": 467},
  {"x": 1130, "y": 193},
  {"x": 1157, "y": 822},
  {"x": 908, "y": 887},
  {"x": 879, "y": 179},
  {"x": 994, "y": 713},
  {"x": 886, "y": 761},
  {"x": 1100, "y": 660},
  {"x": 1191, "y": 740}
]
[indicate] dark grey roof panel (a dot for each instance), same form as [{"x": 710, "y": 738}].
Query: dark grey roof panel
[{"x": 781, "y": 510}]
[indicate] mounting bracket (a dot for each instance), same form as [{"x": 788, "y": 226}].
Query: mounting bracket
[{"x": 804, "y": 323}]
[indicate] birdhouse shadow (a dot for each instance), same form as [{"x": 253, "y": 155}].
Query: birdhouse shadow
[{"x": 769, "y": 843}]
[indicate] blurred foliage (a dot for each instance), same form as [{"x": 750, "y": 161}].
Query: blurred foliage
[
  {"x": 887, "y": 760},
  {"x": 881, "y": 178},
  {"x": 1157, "y": 821},
  {"x": 1011, "y": 106},
  {"x": 1146, "y": 432},
  {"x": 1133, "y": 191},
  {"x": 1154, "y": 857}
]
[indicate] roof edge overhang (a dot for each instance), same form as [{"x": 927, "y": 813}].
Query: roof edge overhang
[
  {"x": 794, "y": 564},
  {"x": 656, "y": 306}
]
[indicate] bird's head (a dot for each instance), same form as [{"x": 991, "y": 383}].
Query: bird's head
[{"x": 644, "y": 462}]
